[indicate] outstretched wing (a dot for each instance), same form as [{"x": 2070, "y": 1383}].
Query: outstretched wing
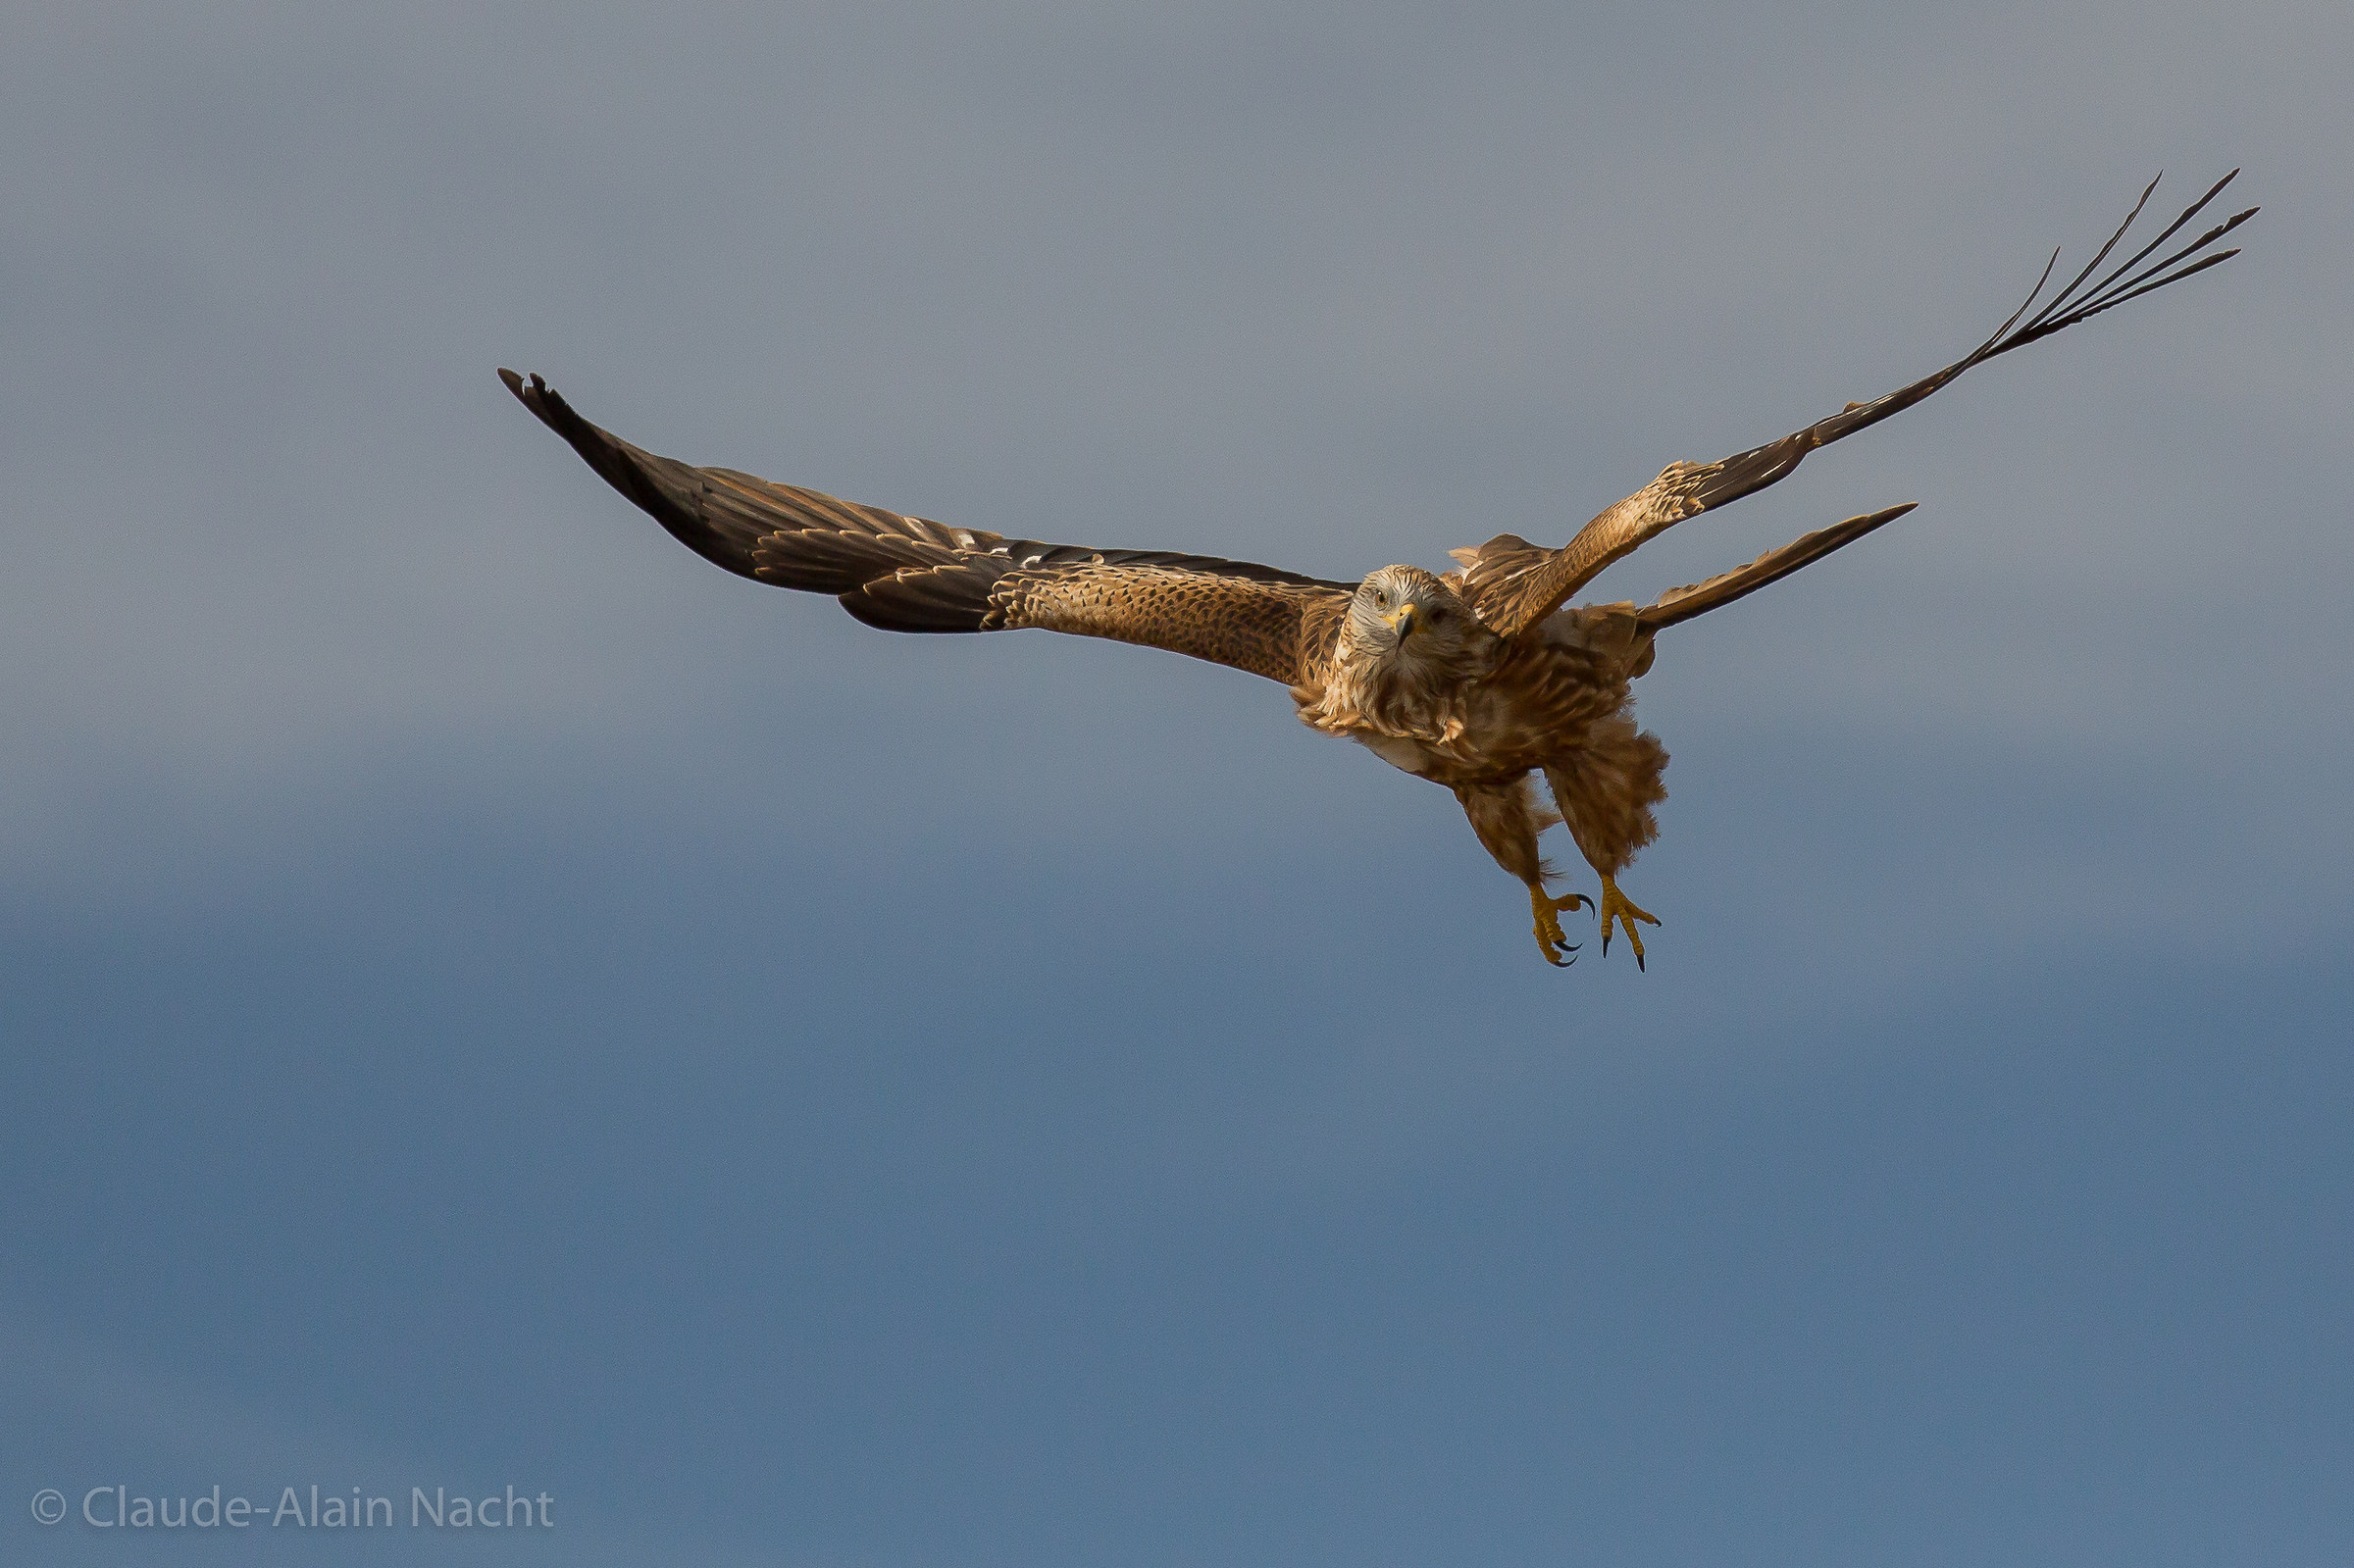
[
  {"x": 1512, "y": 584},
  {"x": 910, "y": 573}
]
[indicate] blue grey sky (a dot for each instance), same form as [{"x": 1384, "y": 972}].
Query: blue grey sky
[{"x": 488, "y": 1000}]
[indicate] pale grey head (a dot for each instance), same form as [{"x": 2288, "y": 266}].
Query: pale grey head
[{"x": 1404, "y": 616}]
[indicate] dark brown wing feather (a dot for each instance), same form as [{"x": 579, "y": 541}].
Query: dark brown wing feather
[
  {"x": 1513, "y": 584},
  {"x": 910, "y": 573}
]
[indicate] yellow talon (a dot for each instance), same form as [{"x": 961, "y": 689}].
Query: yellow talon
[
  {"x": 1550, "y": 940},
  {"x": 1617, "y": 907}
]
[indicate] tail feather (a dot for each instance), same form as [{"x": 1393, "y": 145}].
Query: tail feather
[{"x": 1699, "y": 598}]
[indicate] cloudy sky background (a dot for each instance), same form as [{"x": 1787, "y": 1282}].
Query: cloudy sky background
[{"x": 489, "y": 1000}]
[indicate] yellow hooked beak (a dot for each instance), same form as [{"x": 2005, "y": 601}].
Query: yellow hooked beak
[{"x": 1401, "y": 620}]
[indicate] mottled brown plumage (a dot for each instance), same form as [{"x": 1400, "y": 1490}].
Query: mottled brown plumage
[{"x": 1479, "y": 681}]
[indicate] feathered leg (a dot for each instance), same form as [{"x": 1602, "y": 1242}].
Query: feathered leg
[
  {"x": 1606, "y": 789},
  {"x": 1507, "y": 819}
]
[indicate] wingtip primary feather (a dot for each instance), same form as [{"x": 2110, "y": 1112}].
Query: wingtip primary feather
[{"x": 547, "y": 405}]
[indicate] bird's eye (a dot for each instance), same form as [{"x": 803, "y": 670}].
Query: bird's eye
[{"x": 1381, "y": 600}]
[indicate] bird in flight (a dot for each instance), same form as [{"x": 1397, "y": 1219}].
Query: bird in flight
[{"x": 1480, "y": 679}]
